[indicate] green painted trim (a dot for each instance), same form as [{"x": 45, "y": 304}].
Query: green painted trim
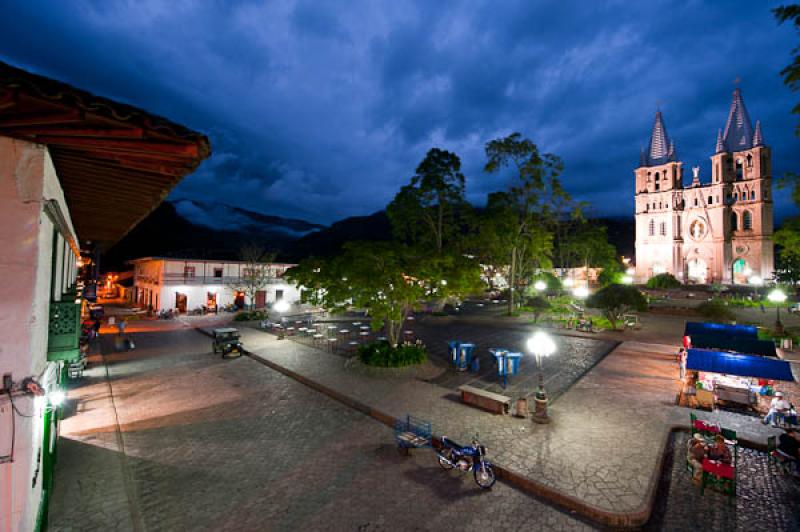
[{"x": 41, "y": 515}]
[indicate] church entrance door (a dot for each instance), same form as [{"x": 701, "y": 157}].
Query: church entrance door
[
  {"x": 740, "y": 271},
  {"x": 697, "y": 271}
]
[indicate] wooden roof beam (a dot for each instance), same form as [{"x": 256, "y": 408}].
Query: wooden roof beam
[
  {"x": 123, "y": 133},
  {"x": 133, "y": 146},
  {"x": 34, "y": 119}
]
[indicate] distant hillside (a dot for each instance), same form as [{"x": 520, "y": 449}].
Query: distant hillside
[
  {"x": 199, "y": 229},
  {"x": 329, "y": 241},
  {"x": 202, "y": 229}
]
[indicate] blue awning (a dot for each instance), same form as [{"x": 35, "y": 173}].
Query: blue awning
[
  {"x": 736, "y": 331},
  {"x": 741, "y": 365},
  {"x": 726, "y": 342}
]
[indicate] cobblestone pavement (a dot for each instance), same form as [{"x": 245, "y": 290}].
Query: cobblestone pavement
[
  {"x": 603, "y": 446},
  {"x": 212, "y": 444},
  {"x": 574, "y": 356},
  {"x": 765, "y": 498}
]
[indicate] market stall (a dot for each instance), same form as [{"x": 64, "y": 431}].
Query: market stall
[{"x": 736, "y": 377}]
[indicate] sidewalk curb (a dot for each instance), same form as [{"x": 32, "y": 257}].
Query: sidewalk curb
[{"x": 633, "y": 519}]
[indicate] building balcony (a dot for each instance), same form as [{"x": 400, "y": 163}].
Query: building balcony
[{"x": 181, "y": 279}]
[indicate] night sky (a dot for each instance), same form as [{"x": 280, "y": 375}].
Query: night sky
[{"x": 322, "y": 109}]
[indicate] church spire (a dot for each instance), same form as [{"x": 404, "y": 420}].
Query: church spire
[
  {"x": 720, "y": 143},
  {"x": 738, "y": 133},
  {"x": 661, "y": 149},
  {"x": 758, "y": 139}
]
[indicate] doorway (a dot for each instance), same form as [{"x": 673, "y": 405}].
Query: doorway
[
  {"x": 180, "y": 302},
  {"x": 697, "y": 271},
  {"x": 211, "y": 302},
  {"x": 261, "y": 299},
  {"x": 238, "y": 300}
]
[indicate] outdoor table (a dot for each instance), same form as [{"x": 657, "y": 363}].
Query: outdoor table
[
  {"x": 411, "y": 318},
  {"x": 364, "y": 327},
  {"x": 331, "y": 342},
  {"x": 364, "y": 333},
  {"x": 344, "y": 331},
  {"x": 356, "y": 323},
  {"x": 381, "y": 338}
]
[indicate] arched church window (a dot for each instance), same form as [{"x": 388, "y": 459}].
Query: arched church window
[
  {"x": 747, "y": 221},
  {"x": 752, "y": 194},
  {"x": 734, "y": 222},
  {"x": 658, "y": 177},
  {"x": 695, "y": 202},
  {"x": 735, "y": 196},
  {"x": 663, "y": 229},
  {"x": 659, "y": 205},
  {"x": 710, "y": 200},
  {"x": 749, "y": 160},
  {"x": 652, "y": 228},
  {"x": 739, "y": 170},
  {"x": 763, "y": 168}
]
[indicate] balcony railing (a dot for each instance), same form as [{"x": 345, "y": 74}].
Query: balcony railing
[{"x": 179, "y": 278}]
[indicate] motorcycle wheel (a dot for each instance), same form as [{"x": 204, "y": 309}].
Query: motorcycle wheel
[
  {"x": 484, "y": 479},
  {"x": 446, "y": 454}
]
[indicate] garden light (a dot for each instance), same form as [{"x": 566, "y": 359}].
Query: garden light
[
  {"x": 580, "y": 292},
  {"x": 540, "y": 285},
  {"x": 541, "y": 345},
  {"x": 281, "y": 306},
  {"x": 627, "y": 279}
]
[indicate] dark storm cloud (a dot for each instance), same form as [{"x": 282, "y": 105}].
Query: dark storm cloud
[{"x": 322, "y": 109}]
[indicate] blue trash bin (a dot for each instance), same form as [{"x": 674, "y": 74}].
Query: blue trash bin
[
  {"x": 465, "y": 356},
  {"x": 454, "y": 350}
]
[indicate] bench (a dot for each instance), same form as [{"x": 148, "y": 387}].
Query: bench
[
  {"x": 412, "y": 433},
  {"x": 489, "y": 401}
]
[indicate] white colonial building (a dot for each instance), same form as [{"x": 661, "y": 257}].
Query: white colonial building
[{"x": 163, "y": 283}]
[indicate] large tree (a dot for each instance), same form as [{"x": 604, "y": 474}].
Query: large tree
[
  {"x": 385, "y": 278},
  {"x": 616, "y": 300},
  {"x": 788, "y": 237},
  {"x": 515, "y": 224},
  {"x": 429, "y": 210}
]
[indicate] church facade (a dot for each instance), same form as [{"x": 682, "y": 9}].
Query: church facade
[{"x": 706, "y": 232}]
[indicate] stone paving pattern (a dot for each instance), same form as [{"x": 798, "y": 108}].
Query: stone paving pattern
[
  {"x": 766, "y": 499},
  {"x": 603, "y": 445},
  {"x": 212, "y": 444}
]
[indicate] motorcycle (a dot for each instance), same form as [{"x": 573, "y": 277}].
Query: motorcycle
[{"x": 467, "y": 458}]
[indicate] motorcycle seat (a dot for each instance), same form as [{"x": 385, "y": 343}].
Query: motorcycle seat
[{"x": 450, "y": 443}]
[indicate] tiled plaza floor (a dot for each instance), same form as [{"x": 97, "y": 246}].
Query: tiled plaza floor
[{"x": 207, "y": 444}]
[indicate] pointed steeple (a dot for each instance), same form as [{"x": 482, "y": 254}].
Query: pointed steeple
[
  {"x": 758, "y": 139},
  {"x": 660, "y": 149},
  {"x": 738, "y": 133},
  {"x": 720, "y": 143}
]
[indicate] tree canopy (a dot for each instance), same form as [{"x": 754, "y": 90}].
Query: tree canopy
[{"x": 616, "y": 300}]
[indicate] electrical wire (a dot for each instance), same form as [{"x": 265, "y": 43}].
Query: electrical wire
[{"x": 11, "y": 398}]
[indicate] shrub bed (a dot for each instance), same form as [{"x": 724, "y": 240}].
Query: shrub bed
[
  {"x": 715, "y": 309},
  {"x": 255, "y": 315},
  {"x": 383, "y": 355}
]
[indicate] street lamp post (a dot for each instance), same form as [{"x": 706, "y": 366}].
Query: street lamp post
[
  {"x": 541, "y": 345},
  {"x": 778, "y": 297}
]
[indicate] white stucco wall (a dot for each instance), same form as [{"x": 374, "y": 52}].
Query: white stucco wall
[{"x": 27, "y": 181}]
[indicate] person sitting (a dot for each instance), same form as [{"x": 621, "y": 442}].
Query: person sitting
[
  {"x": 778, "y": 408},
  {"x": 719, "y": 451},
  {"x": 695, "y": 452}
]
